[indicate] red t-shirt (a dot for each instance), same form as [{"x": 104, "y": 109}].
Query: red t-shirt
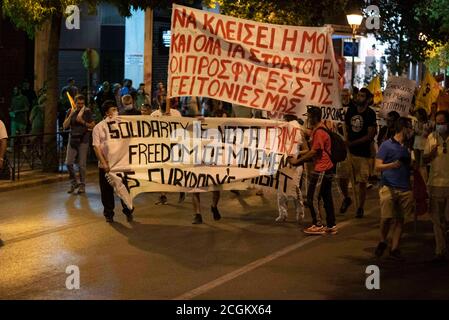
[{"x": 321, "y": 142}]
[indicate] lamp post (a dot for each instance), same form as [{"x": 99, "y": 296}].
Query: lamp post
[{"x": 354, "y": 21}]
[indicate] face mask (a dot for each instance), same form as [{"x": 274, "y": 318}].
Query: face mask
[
  {"x": 441, "y": 128},
  {"x": 128, "y": 106}
]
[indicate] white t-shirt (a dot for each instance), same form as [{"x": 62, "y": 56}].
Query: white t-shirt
[
  {"x": 3, "y": 132},
  {"x": 173, "y": 113},
  {"x": 100, "y": 136},
  {"x": 439, "y": 167}
]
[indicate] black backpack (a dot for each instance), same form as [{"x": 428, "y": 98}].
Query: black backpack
[{"x": 338, "y": 146}]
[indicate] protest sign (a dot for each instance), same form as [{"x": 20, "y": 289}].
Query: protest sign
[
  {"x": 398, "y": 96},
  {"x": 276, "y": 68},
  {"x": 173, "y": 154}
]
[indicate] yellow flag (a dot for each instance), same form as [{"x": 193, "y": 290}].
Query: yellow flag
[
  {"x": 428, "y": 93},
  {"x": 375, "y": 88},
  {"x": 72, "y": 103}
]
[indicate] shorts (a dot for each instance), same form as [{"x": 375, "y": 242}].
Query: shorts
[
  {"x": 361, "y": 168},
  {"x": 395, "y": 203}
]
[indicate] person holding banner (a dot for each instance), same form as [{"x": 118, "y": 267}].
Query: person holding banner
[
  {"x": 361, "y": 127},
  {"x": 162, "y": 111},
  {"x": 79, "y": 120},
  {"x": 393, "y": 160},
  {"x": 100, "y": 136},
  {"x": 320, "y": 182},
  {"x": 436, "y": 154}
]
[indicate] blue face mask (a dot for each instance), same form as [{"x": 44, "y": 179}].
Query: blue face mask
[{"x": 441, "y": 128}]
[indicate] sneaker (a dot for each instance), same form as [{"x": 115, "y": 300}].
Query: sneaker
[
  {"x": 396, "y": 255},
  {"x": 130, "y": 217},
  {"x": 380, "y": 249},
  {"x": 369, "y": 186},
  {"x": 332, "y": 230},
  {"x": 345, "y": 205},
  {"x": 197, "y": 219},
  {"x": 315, "y": 230},
  {"x": 360, "y": 213},
  {"x": 182, "y": 197},
  {"x": 72, "y": 189},
  {"x": 281, "y": 218},
  {"x": 82, "y": 189},
  {"x": 162, "y": 200},
  {"x": 109, "y": 219},
  {"x": 215, "y": 213}
]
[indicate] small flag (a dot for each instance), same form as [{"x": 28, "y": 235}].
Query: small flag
[
  {"x": 72, "y": 103},
  {"x": 375, "y": 88},
  {"x": 428, "y": 93}
]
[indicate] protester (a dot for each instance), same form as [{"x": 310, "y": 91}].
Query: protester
[
  {"x": 146, "y": 109},
  {"x": 3, "y": 144},
  {"x": 100, "y": 136},
  {"x": 79, "y": 121},
  {"x": 105, "y": 93},
  {"x": 190, "y": 106},
  {"x": 142, "y": 97},
  {"x": 422, "y": 128},
  {"x": 436, "y": 153},
  {"x": 28, "y": 92},
  {"x": 18, "y": 112},
  {"x": 127, "y": 88},
  {"x": 388, "y": 131},
  {"x": 160, "y": 94},
  {"x": 37, "y": 116},
  {"x": 70, "y": 88},
  {"x": 361, "y": 129},
  {"x": 129, "y": 108},
  {"x": 320, "y": 181},
  {"x": 396, "y": 198},
  {"x": 162, "y": 111},
  {"x": 282, "y": 197}
]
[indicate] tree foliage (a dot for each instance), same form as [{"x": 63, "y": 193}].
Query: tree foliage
[
  {"x": 409, "y": 28},
  {"x": 300, "y": 13}
]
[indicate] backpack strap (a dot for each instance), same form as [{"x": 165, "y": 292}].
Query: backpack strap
[{"x": 325, "y": 129}]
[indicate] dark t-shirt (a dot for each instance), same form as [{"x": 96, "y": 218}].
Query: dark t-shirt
[
  {"x": 77, "y": 129},
  {"x": 358, "y": 124}
]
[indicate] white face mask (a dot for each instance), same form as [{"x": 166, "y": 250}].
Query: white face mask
[{"x": 128, "y": 106}]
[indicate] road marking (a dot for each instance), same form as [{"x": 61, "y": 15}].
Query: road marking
[{"x": 255, "y": 264}]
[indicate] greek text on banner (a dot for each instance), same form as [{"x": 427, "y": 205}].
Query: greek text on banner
[{"x": 264, "y": 66}]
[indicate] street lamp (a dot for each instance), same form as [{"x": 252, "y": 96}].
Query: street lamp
[{"x": 354, "y": 21}]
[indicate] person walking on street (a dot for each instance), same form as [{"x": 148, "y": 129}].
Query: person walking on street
[
  {"x": 320, "y": 182},
  {"x": 436, "y": 154},
  {"x": 79, "y": 121},
  {"x": 100, "y": 136},
  {"x": 393, "y": 160},
  {"x": 361, "y": 128}
]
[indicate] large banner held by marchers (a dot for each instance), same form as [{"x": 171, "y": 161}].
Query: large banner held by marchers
[
  {"x": 173, "y": 154},
  {"x": 276, "y": 68}
]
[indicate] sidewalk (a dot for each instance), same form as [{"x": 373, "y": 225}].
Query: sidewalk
[{"x": 37, "y": 177}]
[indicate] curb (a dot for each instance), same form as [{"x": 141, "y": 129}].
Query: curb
[{"x": 36, "y": 182}]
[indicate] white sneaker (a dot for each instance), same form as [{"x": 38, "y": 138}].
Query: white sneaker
[
  {"x": 120, "y": 189},
  {"x": 281, "y": 218}
]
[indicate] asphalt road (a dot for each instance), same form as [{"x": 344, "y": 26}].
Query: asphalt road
[{"x": 162, "y": 255}]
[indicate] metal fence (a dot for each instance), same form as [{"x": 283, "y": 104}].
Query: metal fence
[{"x": 33, "y": 151}]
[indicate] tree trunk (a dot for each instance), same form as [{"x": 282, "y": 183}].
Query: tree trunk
[{"x": 50, "y": 159}]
